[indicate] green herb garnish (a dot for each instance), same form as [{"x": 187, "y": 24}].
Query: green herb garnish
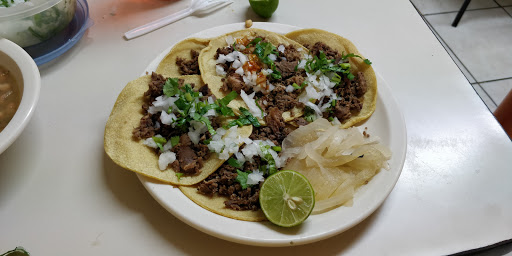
[
  {"x": 277, "y": 148},
  {"x": 233, "y": 162},
  {"x": 171, "y": 87},
  {"x": 271, "y": 163},
  {"x": 179, "y": 175},
  {"x": 309, "y": 114},
  {"x": 245, "y": 118},
  {"x": 263, "y": 50},
  {"x": 254, "y": 41},
  {"x": 242, "y": 178},
  {"x": 175, "y": 140},
  {"x": 325, "y": 65},
  {"x": 160, "y": 141},
  {"x": 344, "y": 57}
]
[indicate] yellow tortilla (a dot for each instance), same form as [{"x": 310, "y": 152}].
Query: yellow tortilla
[
  {"x": 132, "y": 154},
  {"x": 343, "y": 45},
  {"x": 168, "y": 67},
  {"x": 216, "y": 204},
  {"x": 209, "y": 74}
]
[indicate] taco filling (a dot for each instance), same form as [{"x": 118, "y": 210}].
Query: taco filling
[
  {"x": 239, "y": 179},
  {"x": 261, "y": 73},
  {"x": 320, "y": 82},
  {"x": 189, "y": 66},
  {"x": 332, "y": 91},
  {"x": 178, "y": 122}
]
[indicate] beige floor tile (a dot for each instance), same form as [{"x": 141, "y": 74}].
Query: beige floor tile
[
  {"x": 504, "y": 2},
  {"x": 497, "y": 90},
  {"x": 437, "y": 6},
  {"x": 463, "y": 69},
  {"x": 482, "y": 41},
  {"x": 485, "y": 98}
]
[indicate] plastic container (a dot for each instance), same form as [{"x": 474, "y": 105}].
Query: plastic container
[{"x": 35, "y": 21}]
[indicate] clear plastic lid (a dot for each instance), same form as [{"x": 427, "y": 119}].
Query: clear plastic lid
[{"x": 27, "y": 9}]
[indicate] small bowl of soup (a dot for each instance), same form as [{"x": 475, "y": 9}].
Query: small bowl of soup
[{"x": 20, "y": 83}]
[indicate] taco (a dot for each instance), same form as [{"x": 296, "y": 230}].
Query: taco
[
  {"x": 259, "y": 66},
  {"x": 233, "y": 189},
  {"x": 349, "y": 90},
  {"x": 183, "y": 58},
  {"x": 140, "y": 137}
]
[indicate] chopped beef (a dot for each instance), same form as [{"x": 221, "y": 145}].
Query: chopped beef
[
  {"x": 360, "y": 84},
  {"x": 223, "y": 181},
  {"x": 234, "y": 82},
  {"x": 225, "y": 51},
  {"x": 187, "y": 157},
  {"x": 291, "y": 54},
  {"x": 287, "y": 68},
  {"x": 296, "y": 79},
  {"x": 274, "y": 119},
  {"x": 281, "y": 99},
  {"x": 155, "y": 86},
  {"x": 349, "y": 92},
  {"x": 341, "y": 110},
  {"x": 205, "y": 90},
  {"x": 266, "y": 133},
  {"x": 321, "y": 47},
  {"x": 189, "y": 67},
  {"x": 145, "y": 128}
]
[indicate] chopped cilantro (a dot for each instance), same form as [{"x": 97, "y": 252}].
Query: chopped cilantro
[
  {"x": 277, "y": 148},
  {"x": 189, "y": 99},
  {"x": 171, "y": 87},
  {"x": 233, "y": 162},
  {"x": 309, "y": 114},
  {"x": 254, "y": 41},
  {"x": 175, "y": 140},
  {"x": 222, "y": 104},
  {"x": 298, "y": 87},
  {"x": 245, "y": 118},
  {"x": 242, "y": 178},
  {"x": 179, "y": 175},
  {"x": 344, "y": 57},
  {"x": 160, "y": 141},
  {"x": 263, "y": 50},
  {"x": 271, "y": 166},
  {"x": 336, "y": 78},
  {"x": 325, "y": 65},
  {"x": 258, "y": 105}
]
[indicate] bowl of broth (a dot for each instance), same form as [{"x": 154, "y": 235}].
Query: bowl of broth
[{"x": 20, "y": 83}]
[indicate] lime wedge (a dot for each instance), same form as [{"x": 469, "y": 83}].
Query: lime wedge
[
  {"x": 264, "y": 8},
  {"x": 287, "y": 198}
]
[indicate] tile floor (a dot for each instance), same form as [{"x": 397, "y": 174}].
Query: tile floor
[{"x": 481, "y": 44}]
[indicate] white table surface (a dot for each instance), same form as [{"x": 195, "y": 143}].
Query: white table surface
[{"x": 61, "y": 195}]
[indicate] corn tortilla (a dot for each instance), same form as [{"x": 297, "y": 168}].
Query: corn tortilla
[
  {"x": 216, "y": 204},
  {"x": 132, "y": 154},
  {"x": 343, "y": 45},
  {"x": 167, "y": 67},
  {"x": 209, "y": 74}
]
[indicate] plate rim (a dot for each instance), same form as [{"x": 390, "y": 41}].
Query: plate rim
[{"x": 151, "y": 185}]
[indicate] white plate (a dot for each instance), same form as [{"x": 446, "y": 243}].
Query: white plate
[{"x": 387, "y": 122}]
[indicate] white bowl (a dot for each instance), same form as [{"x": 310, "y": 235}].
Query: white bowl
[{"x": 26, "y": 73}]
